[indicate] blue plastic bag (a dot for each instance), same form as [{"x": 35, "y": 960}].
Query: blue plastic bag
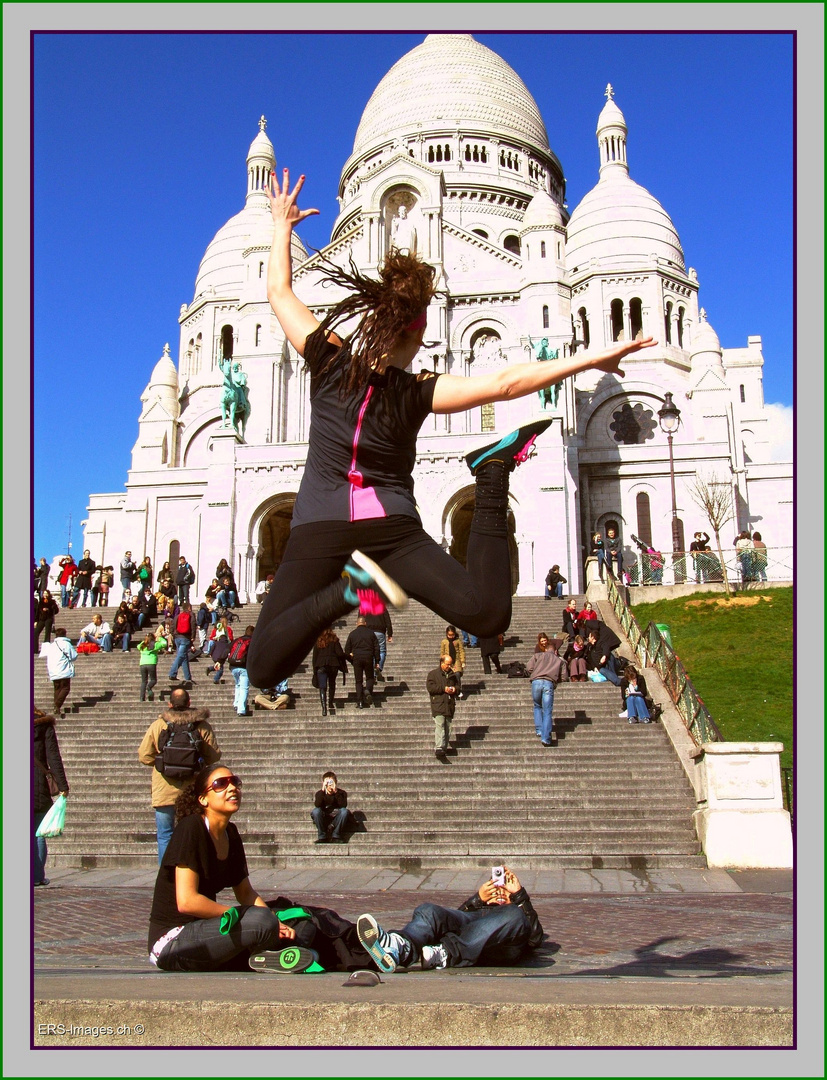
[
  {"x": 52, "y": 824},
  {"x": 595, "y": 676}
]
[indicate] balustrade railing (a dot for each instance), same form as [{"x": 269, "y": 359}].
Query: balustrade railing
[
  {"x": 745, "y": 569},
  {"x": 653, "y": 650}
]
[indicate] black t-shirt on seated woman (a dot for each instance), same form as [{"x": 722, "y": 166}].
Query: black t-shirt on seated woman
[{"x": 192, "y": 847}]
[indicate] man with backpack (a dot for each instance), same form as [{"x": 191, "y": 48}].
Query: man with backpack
[
  {"x": 238, "y": 669},
  {"x": 184, "y": 631},
  {"x": 184, "y": 577},
  {"x": 176, "y": 746}
]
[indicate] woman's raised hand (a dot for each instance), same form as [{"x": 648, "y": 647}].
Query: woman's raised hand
[
  {"x": 283, "y": 201},
  {"x": 610, "y": 358}
]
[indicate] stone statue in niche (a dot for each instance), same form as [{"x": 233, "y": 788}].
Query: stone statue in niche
[
  {"x": 403, "y": 233},
  {"x": 486, "y": 349}
]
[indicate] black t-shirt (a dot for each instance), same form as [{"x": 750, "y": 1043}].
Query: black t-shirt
[
  {"x": 362, "y": 448},
  {"x": 192, "y": 847}
]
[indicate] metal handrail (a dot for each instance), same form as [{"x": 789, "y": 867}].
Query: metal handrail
[
  {"x": 789, "y": 800},
  {"x": 750, "y": 569},
  {"x": 653, "y": 650}
]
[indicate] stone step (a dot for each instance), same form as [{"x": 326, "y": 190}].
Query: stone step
[{"x": 601, "y": 797}]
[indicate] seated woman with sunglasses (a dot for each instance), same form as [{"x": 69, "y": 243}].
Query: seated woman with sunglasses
[{"x": 188, "y": 929}]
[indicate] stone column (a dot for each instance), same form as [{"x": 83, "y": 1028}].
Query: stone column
[{"x": 741, "y": 820}]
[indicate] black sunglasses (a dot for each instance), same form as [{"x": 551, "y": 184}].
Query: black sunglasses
[{"x": 222, "y": 783}]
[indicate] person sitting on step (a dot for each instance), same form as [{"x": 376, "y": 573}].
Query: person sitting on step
[
  {"x": 188, "y": 929},
  {"x": 98, "y": 632},
  {"x": 330, "y": 813},
  {"x": 633, "y": 693}
]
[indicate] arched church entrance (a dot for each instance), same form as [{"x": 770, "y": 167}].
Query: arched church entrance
[
  {"x": 459, "y": 525},
  {"x": 273, "y": 533}
]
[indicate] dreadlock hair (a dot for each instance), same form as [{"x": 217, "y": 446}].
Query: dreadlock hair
[{"x": 387, "y": 305}]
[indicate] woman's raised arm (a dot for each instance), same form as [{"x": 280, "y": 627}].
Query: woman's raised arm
[
  {"x": 455, "y": 393},
  {"x": 296, "y": 319}
]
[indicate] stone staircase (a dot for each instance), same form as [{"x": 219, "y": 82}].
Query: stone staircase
[{"x": 609, "y": 795}]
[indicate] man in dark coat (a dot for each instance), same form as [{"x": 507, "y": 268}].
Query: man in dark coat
[
  {"x": 184, "y": 577},
  {"x": 441, "y": 684},
  {"x": 362, "y": 650},
  {"x": 599, "y": 651},
  {"x": 83, "y": 581}
]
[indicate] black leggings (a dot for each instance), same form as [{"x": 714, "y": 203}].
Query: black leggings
[{"x": 296, "y": 609}]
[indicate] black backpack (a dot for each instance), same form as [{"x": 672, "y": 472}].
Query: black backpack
[
  {"x": 179, "y": 751},
  {"x": 516, "y": 670}
]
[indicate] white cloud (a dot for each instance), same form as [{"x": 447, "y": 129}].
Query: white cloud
[{"x": 780, "y": 432}]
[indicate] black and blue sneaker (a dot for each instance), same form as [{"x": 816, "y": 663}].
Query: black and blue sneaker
[
  {"x": 511, "y": 450},
  {"x": 388, "y": 949}
]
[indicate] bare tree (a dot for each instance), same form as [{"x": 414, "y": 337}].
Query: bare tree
[{"x": 714, "y": 496}]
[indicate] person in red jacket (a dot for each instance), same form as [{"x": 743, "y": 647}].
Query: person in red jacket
[{"x": 184, "y": 633}]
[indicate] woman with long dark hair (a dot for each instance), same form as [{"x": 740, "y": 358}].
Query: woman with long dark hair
[
  {"x": 47, "y": 762},
  {"x": 188, "y": 929},
  {"x": 355, "y": 529},
  {"x": 328, "y": 661},
  {"x": 45, "y": 610}
]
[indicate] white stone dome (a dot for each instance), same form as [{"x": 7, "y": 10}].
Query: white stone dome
[
  {"x": 542, "y": 212},
  {"x": 610, "y": 116},
  {"x": 704, "y": 338},
  {"x": 164, "y": 373},
  {"x": 619, "y": 219},
  {"x": 222, "y": 268},
  {"x": 455, "y": 79}
]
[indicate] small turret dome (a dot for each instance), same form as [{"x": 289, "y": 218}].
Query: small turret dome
[
  {"x": 704, "y": 340},
  {"x": 164, "y": 373},
  {"x": 542, "y": 212}
]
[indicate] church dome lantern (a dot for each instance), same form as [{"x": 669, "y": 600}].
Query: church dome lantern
[
  {"x": 619, "y": 223},
  {"x": 222, "y": 269}
]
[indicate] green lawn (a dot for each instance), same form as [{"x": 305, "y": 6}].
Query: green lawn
[{"x": 739, "y": 657}]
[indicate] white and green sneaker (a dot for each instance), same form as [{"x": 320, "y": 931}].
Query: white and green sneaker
[{"x": 290, "y": 961}]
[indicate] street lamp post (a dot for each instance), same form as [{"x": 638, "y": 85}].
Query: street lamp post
[{"x": 669, "y": 416}]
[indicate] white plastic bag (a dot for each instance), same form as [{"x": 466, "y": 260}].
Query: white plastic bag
[{"x": 52, "y": 824}]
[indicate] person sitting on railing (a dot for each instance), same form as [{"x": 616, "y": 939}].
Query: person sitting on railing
[
  {"x": 600, "y": 656},
  {"x": 633, "y": 694}
]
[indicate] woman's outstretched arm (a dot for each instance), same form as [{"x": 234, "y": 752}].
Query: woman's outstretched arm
[
  {"x": 296, "y": 319},
  {"x": 454, "y": 393}
]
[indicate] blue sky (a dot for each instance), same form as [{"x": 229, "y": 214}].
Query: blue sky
[{"x": 139, "y": 158}]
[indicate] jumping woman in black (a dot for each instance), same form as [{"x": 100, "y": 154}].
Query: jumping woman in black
[{"x": 355, "y": 528}]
